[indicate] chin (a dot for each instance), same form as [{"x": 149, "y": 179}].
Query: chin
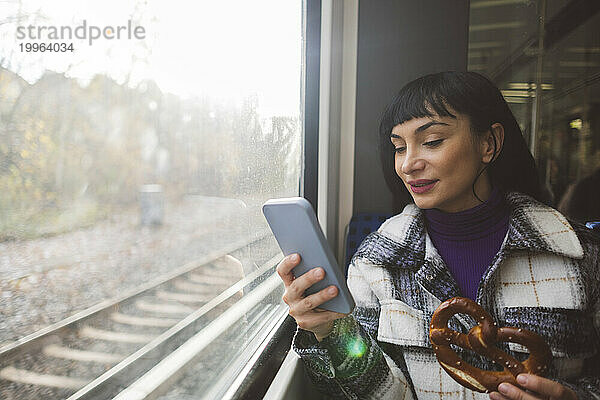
[
  {"x": 424, "y": 203},
  {"x": 430, "y": 199}
]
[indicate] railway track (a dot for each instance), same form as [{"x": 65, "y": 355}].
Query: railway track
[{"x": 101, "y": 351}]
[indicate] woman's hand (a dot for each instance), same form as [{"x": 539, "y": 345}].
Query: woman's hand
[
  {"x": 536, "y": 388},
  {"x": 303, "y": 309}
]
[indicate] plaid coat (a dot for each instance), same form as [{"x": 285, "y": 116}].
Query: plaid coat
[{"x": 545, "y": 278}]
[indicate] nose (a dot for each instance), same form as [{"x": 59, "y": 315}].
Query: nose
[{"x": 412, "y": 162}]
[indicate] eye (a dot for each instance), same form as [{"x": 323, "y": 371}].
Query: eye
[
  {"x": 399, "y": 149},
  {"x": 434, "y": 143}
]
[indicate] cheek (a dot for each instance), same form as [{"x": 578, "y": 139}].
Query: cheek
[{"x": 459, "y": 165}]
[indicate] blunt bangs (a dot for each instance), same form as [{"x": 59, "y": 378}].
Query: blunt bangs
[
  {"x": 466, "y": 93},
  {"x": 418, "y": 101}
]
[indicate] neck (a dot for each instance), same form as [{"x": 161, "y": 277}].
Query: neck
[{"x": 471, "y": 222}]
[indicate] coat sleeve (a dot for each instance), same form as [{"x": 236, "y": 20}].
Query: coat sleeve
[
  {"x": 349, "y": 364},
  {"x": 587, "y": 386}
]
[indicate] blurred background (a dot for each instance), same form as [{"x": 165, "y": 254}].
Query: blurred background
[
  {"x": 208, "y": 103},
  {"x": 544, "y": 55},
  {"x": 126, "y": 158}
]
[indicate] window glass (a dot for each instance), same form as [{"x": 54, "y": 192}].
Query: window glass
[
  {"x": 138, "y": 141},
  {"x": 547, "y": 67}
]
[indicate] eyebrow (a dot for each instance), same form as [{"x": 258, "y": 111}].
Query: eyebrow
[{"x": 423, "y": 127}]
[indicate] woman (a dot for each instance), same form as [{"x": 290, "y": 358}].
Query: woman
[{"x": 475, "y": 230}]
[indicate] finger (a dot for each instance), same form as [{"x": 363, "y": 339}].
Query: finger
[
  {"x": 545, "y": 387},
  {"x": 497, "y": 396},
  {"x": 284, "y": 268},
  {"x": 314, "y": 300},
  {"x": 514, "y": 393},
  {"x": 299, "y": 285}
]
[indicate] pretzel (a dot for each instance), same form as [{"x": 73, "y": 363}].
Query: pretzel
[{"x": 481, "y": 339}]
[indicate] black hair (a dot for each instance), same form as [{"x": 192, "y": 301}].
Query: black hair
[{"x": 476, "y": 97}]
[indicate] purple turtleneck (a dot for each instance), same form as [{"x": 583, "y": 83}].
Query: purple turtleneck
[{"x": 468, "y": 240}]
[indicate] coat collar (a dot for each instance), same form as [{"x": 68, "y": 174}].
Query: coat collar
[
  {"x": 537, "y": 227},
  {"x": 533, "y": 226}
]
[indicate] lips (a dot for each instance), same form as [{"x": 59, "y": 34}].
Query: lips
[
  {"x": 422, "y": 185},
  {"x": 421, "y": 182}
]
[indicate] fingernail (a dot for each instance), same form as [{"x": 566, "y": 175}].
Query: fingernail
[
  {"x": 318, "y": 272},
  {"x": 522, "y": 379},
  {"x": 294, "y": 257},
  {"x": 504, "y": 388},
  {"x": 331, "y": 290}
]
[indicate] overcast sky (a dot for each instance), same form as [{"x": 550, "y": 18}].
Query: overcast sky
[{"x": 226, "y": 49}]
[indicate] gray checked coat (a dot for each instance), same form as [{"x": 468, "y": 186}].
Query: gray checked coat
[{"x": 545, "y": 278}]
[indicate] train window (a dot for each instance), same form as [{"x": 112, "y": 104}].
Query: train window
[
  {"x": 138, "y": 141},
  {"x": 544, "y": 55}
]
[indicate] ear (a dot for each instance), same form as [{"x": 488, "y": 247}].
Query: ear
[{"x": 496, "y": 133}]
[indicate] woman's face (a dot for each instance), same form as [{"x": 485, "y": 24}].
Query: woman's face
[{"x": 438, "y": 159}]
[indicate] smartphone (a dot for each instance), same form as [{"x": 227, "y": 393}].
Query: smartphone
[{"x": 296, "y": 229}]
